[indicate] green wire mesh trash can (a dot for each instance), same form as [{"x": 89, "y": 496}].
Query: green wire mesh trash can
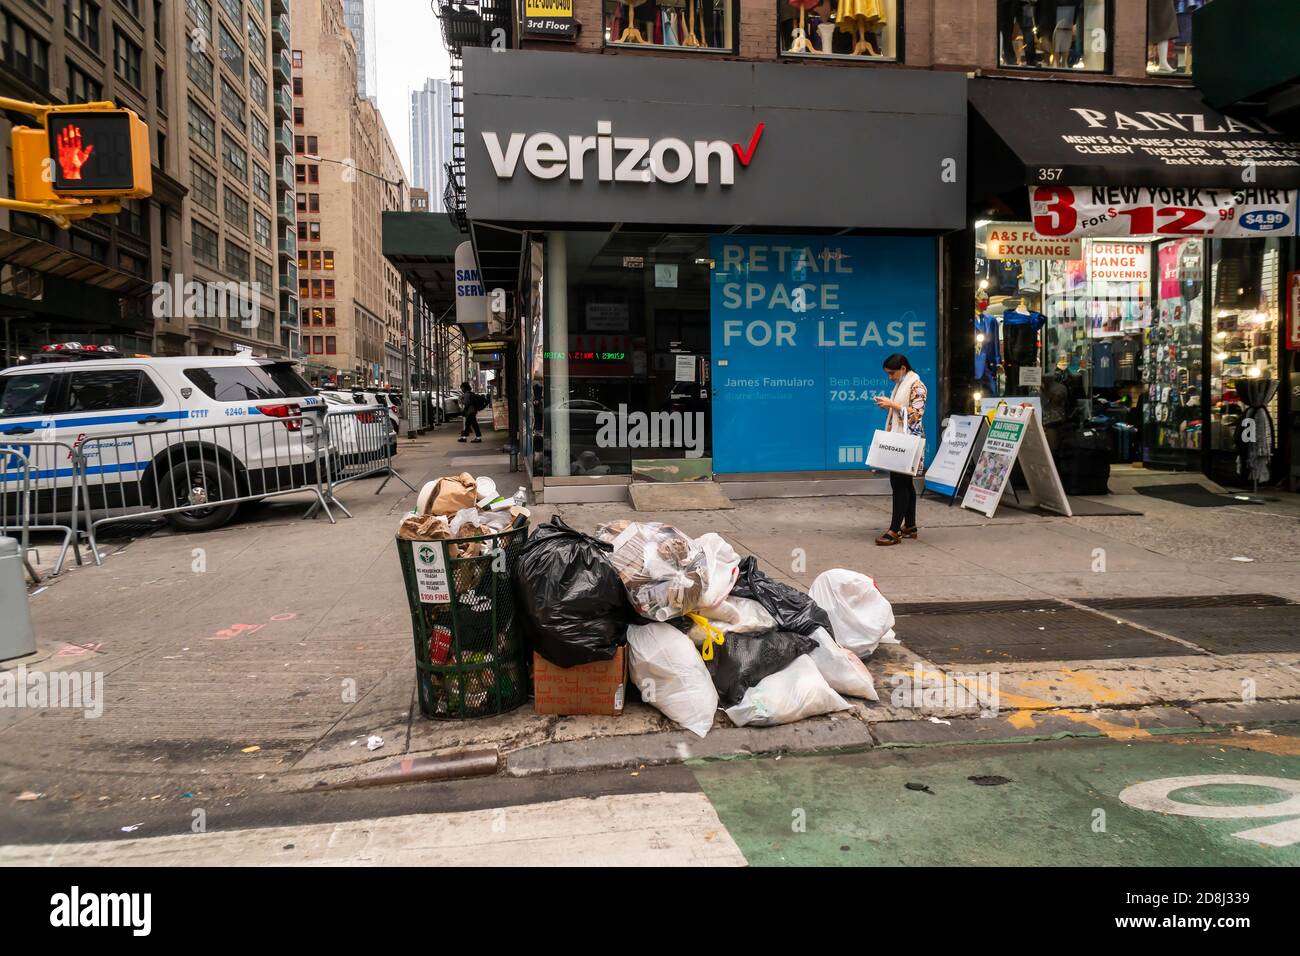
[{"x": 469, "y": 652}]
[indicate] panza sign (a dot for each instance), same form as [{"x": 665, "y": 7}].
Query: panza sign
[{"x": 620, "y": 159}]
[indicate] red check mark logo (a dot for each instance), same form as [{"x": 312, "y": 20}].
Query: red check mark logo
[{"x": 745, "y": 155}]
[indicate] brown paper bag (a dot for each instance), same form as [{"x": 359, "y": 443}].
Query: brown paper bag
[
  {"x": 454, "y": 494},
  {"x": 424, "y": 528}
]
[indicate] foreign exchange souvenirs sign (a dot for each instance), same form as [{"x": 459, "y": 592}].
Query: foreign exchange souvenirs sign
[{"x": 1064, "y": 212}]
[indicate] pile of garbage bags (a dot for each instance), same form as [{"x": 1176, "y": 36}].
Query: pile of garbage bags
[{"x": 703, "y": 628}]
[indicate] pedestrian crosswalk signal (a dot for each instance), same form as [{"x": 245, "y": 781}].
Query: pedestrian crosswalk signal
[{"x": 99, "y": 153}]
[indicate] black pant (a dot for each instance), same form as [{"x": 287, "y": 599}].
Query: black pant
[
  {"x": 904, "y": 501},
  {"x": 471, "y": 419}
]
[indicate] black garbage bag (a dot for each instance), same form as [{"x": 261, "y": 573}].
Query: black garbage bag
[
  {"x": 743, "y": 660},
  {"x": 793, "y": 610},
  {"x": 573, "y": 606}
]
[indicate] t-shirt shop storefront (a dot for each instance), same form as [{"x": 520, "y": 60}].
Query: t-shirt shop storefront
[
  {"x": 692, "y": 302},
  {"x": 1134, "y": 272}
]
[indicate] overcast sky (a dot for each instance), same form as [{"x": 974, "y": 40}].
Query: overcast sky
[{"x": 410, "y": 51}]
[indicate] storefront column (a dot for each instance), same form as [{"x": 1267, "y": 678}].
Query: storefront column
[{"x": 557, "y": 337}]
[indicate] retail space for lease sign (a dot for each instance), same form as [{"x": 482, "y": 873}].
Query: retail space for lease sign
[{"x": 800, "y": 329}]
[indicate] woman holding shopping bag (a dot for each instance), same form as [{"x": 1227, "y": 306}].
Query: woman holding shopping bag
[{"x": 906, "y": 416}]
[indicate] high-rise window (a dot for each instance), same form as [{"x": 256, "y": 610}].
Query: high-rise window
[
  {"x": 261, "y": 183},
  {"x": 199, "y": 68},
  {"x": 24, "y": 52},
  {"x": 204, "y": 183},
  {"x": 126, "y": 59},
  {"x": 265, "y": 274},
  {"x": 257, "y": 89},
  {"x": 204, "y": 241},
  {"x": 81, "y": 17},
  {"x": 232, "y": 8},
  {"x": 256, "y": 39},
  {"x": 261, "y": 135},
  {"x": 201, "y": 11},
  {"x": 82, "y": 87},
  {"x": 262, "y": 230},
  {"x": 232, "y": 54},
  {"x": 235, "y": 207},
  {"x": 202, "y": 129},
  {"x": 233, "y": 157},
  {"x": 236, "y": 260},
  {"x": 232, "y": 105}
]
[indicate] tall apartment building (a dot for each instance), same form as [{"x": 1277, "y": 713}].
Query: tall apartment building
[
  {"x": 230, "y": 58},
  {"x": 431, "y": 138},
  {"x": 360, "y": 16},
  {"x": 345, "y": 172},
  {"x": 93, "y": 281}
]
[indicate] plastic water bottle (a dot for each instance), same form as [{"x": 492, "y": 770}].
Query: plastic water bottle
[{"x": 521, "y": 497}]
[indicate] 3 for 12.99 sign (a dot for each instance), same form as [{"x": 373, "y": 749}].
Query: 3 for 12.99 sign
[{"x": 1061, "y": 212}]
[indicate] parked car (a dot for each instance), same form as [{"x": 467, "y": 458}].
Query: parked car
[
  {"x": 123, "y": 414},
  {"x": 351, "y": 442}
]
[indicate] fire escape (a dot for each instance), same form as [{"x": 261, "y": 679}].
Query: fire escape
[{"x": 466, "y": 23}]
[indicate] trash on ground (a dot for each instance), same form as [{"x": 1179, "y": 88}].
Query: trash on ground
[
  {"x": 29, "y": 795},
  {"x": 745, "y": 659},
  {"x": 795, "y": 693},
  {"x": 374, "y": 742},
  {"x": 793, "y": 610},
  {"x": 666, "y": 573},
  {"x": 861, "y": 616},
  {"x": 574, "y": 607},
  {"x": 666, "y": 668},
  {"x": 992, "y": 780},
  {"x": 132, "y": 828},
  {"x": 251, "y": 750},
  {"x": 920, "y": 787},
  {"x": 842, "y": 668}
]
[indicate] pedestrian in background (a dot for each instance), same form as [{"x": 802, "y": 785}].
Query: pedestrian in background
[
  {"x": 906, "y": 407},
  {"x": 469, "y": 405}
]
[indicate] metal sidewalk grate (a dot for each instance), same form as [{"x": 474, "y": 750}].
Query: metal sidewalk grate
[
  {"x": 974, "y": 607},
  {"x": 1186, "y": 603}
]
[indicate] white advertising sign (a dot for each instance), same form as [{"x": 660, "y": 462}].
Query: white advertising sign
[
  {"x": 959, "y": 440},
  {"x": 685, "y": 368},
  {"x": 1015, "y": 434},
  {"x": 1061, "y": 212},
  {"x": 430, "y": 572},
  {"x": 471, "y": 303},
  {"x": 1119, "y": 262},
  {"x": 1017, "y": 240},
  {"x": 1031, "y": 375}
]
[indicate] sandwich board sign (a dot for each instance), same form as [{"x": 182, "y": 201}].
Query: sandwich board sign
[
  {"x": 960, "y": 440},
  {"x": 1015, "y": 434}
]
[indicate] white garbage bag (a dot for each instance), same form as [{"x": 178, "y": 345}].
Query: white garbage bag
[
  {"x": 723, "y": 568},
  {"x": 667, "y": 670},
  {"x": 843, "y": 670},
  {"x": 792, "y": 694},
  {"x": 740, "y": 615},
  {"x": 860, "y": 615}
]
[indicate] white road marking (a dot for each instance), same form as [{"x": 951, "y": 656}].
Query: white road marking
[{"x": 655, "y": 829}]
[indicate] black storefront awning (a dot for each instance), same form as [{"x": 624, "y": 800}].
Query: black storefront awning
[{"x": 1095, "y": 134}]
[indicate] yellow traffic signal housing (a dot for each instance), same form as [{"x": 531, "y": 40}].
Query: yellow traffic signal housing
[
  {"x": 99, "y": 154},
  {"x": 33, "y": 174}
]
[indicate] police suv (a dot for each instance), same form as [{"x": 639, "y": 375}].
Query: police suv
[{"x": 151, "y": 430}]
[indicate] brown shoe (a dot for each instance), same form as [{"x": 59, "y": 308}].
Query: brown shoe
[
  {"x": 907, "y": 532},
  {"x": 888, "y": 538}
]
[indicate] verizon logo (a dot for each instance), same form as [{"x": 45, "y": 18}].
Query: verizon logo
[{"x": 620, "y": 159}]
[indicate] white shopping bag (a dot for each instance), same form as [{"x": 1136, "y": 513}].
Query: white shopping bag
[{"x": 896, "y": 451}]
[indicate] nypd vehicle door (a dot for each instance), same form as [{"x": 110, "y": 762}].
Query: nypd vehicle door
[{"x": 118, "y": 417}]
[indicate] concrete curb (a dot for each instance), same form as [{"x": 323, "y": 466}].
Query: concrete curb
[{"x": 439, "y": 767}]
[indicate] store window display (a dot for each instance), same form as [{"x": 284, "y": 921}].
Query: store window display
[
  {"x": 625, "y": 356},
  {"x": 1244, "y": 374},
  {"x": 680, "y": 24},
  {"x": 857, "y": 29},
  {"x": 1110, "y": 342},
  {"x": 1053, "y": 34},
  {"x": 1169, "y": 35}
]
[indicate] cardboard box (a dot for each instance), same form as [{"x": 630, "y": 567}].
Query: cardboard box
[{"x": 586, "y": 689}]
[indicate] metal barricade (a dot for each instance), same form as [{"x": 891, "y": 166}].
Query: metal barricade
[
  {"x": 362, "y": 444},
  {"x": 41, "y": 490},
  {"x": 199, "y": 469}
]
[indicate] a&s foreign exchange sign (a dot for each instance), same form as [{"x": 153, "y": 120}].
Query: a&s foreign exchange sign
[{"x": 552, "y": 18}]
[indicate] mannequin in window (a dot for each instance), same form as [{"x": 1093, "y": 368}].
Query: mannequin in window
[
  {"x": 1162, "y": 30},
  {"x": 857, "y": 17},
  {"x": 690, "y": 38},
  {"x": 801, "y": 43},
  {"x": 1008, "y": 12},
  {"x": 632, "y": 34}
]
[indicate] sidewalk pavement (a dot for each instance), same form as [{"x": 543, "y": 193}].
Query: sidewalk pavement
[{"x": 260, "y": 657}]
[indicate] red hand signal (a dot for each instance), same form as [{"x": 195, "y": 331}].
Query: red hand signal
[{"x": 71, "y": 156}]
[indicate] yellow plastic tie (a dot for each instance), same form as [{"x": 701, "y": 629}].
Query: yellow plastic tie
[{"x": 712, "y": 635}]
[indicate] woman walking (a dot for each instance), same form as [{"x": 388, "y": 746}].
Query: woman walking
[{"x": 906, "y": 407}]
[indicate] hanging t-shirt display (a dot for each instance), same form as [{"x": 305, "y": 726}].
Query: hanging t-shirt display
[
  {"x": 1126, "y": 364},
  {"x": 1020, "y": 337},
  {"x": 1103, "y": 365},
  {"x": 988, "y": 352}
]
